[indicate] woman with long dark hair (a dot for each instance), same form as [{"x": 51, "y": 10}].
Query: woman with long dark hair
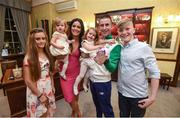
[{"x": 76, "y": 31}]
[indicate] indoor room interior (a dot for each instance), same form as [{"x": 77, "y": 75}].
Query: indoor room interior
[{"x": 152, "y": 20}]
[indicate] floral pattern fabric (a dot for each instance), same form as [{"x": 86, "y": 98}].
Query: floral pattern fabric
[{"x": 34, "y": 107}]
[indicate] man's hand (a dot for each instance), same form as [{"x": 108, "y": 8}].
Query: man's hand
[
  {"x": 100, "y": 57},
  {"x": 145, "y": 103}
]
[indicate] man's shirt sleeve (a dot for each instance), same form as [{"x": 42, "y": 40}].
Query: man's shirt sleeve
[{"x": 114, "y": 59}]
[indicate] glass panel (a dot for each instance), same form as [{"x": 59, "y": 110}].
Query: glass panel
[
  {"x": 13, "y": 26},
  {"x": 18, "y": 47},
  {"x": 16, "y": 37},
  {"x": 142, "y": 17},
  {"x": 7, "y": 37},
  {"x": 11, "y": 37},
  {"x": 10, "y": 15},
  {"x": 6, "y": 13},
  {"x": 11, "y": 48},
  {"x": 7, "y": 24}
]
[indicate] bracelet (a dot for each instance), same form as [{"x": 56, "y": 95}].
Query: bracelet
[{"x": 39, "y": 96}]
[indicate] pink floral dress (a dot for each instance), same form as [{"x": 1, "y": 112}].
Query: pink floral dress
[{"x": 34, "y": 107}]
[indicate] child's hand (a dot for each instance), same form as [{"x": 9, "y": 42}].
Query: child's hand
[
  {"x": 102, "y": 45},
  {"x": 56, "y": 65},
  {"x": 71, "y": 41}
]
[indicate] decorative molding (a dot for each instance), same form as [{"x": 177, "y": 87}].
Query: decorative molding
[
  {"x": 39, "y": 2},
  {"x": 58, "y": 1}
]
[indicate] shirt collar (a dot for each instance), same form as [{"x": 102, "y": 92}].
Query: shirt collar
[
  {"x": 108, "y": 36},
  {"x": 131, "y": 42}
]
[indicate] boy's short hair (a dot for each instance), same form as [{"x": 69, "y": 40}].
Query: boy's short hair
[{"x": 124, "y": 22}]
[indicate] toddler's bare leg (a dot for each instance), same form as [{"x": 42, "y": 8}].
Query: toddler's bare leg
[
  {"x": 86, "y": 81},
  {"x": 80, "y": 77},
  {"x": 65, "y": 65}
]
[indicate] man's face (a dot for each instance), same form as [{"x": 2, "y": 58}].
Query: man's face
[{"x": 105, "y": 26}]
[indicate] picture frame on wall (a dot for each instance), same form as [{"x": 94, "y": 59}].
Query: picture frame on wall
[{"x": 164, "y": 39}]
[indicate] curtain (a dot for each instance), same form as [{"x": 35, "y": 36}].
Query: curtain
[
  {"x": 18, "y": 4},
  {"x": 2, "y": 21},
  {"x": 21, "y": 20}
]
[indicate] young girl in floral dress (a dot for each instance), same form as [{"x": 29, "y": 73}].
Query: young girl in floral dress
[{"x": 38, "y": 67}]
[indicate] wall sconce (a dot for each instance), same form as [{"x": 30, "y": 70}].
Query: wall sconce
[{"x": 169, "y": 18}]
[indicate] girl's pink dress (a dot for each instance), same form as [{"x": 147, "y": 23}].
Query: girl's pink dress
[{"x": 72, "y": 72}]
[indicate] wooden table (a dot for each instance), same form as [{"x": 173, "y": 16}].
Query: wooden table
[
  {"x": 16, "y": 94},
  {"x": 165, "y": 80}
]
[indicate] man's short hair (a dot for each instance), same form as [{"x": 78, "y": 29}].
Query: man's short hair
[{"x": 105, "y": 16}]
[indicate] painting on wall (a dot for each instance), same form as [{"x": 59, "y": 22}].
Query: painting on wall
[{"x": 164, "y": 39}]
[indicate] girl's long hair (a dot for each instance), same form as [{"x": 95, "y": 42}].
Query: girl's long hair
[
  {"x": 33, "y": 57},
  {"x": 70, "y": 35}
]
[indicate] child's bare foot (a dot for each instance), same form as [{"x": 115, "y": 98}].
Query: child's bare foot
[
  {"x": 63, "y": 75},
  {"x": 75, "y": 90}
]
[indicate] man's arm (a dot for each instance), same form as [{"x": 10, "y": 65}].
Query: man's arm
[
  {"x": 112, "y": 63},
  {"x": 154, "y": 73},
  {"x": 154, "y": 90}
]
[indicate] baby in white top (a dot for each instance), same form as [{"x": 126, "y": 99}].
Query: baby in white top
[{"x": 60, "y": 44}]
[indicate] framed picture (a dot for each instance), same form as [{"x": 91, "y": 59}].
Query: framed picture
[{"x": 164, "y": 39}]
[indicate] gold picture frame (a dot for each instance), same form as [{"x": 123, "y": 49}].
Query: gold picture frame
[{"x": 164, "y": 39}]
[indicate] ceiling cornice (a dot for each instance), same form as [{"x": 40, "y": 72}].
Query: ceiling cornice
[{"x": 39, "y": 2}]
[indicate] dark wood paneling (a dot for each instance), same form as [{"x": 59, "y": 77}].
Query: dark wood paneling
[
  {"x": 17, "y": 100},
  {"x": 57, "y": 85},
  {"x": 16, "y": 93},
  {"x": 18, "y": 57}
]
